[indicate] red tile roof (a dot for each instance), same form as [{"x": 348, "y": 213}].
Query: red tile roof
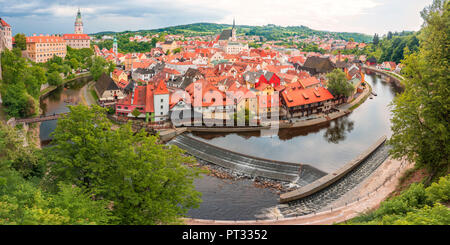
[
  {"x": 161, "y": 88},
  {"x": 76, "y": 36},
  {"x": 297, "y": 97},
  {"x": 3, "y": 23},
  {"x": 45, "y": 39},
  {"x": 310, "y": 81}
]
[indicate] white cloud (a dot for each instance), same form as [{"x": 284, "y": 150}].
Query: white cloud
[
  {"x": 367, "y": 16},
  {"x": 317, "y": 14}
]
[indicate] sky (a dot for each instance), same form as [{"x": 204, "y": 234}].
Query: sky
[{"x": 364, "y": 16}]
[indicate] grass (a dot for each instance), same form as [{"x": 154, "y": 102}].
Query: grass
[{"x": 94, "y": 94}]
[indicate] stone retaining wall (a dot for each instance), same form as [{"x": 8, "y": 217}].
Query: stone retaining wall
[
  {"x": 330, "y": 178},
  {"x": 168, "y": 134}
]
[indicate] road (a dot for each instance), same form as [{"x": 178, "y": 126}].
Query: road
[{"x": 85, "y": 95}]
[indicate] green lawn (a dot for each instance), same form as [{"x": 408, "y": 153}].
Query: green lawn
[{"x": 94, "y": 94}]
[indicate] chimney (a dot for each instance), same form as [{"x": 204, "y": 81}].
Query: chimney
[{"x": 339, "y": 55}]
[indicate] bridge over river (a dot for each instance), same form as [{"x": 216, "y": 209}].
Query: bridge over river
[
  {"x": 13, "y": 122},
  {"x": 301, "y": 174}
]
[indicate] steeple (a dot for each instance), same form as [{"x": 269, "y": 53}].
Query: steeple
[
  {"x": 78, "y": 23},
  {"x": 115, "y": 46},
  {"x": 233, "y": 31}
]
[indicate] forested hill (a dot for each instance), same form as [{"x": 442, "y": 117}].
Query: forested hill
[{"x": 271, "y": 32}]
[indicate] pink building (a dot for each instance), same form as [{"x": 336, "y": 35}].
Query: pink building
[{"x": 5, "y": 35}]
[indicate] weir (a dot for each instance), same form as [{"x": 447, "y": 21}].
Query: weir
[{"x": 301, "y": 174}]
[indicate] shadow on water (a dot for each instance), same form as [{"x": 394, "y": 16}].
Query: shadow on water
[{"x": 338, "y": 130}]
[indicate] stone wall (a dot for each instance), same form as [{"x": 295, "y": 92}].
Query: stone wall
[{"x": 330, "y": 178}]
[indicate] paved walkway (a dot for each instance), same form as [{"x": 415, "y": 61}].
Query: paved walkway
[
  {"x": 85, "y": 94},
  {"x": 372, "y": 191}
]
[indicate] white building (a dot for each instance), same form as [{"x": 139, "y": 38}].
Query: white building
[
  {"x": 5, "y": 35},
  {"x": 161, "y": 102},
  {"x": 235, "y": 48}
]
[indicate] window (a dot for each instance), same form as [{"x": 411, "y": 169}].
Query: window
[
  {"x": 162, "y": 107},
  {"x": 162, "y": 100}
]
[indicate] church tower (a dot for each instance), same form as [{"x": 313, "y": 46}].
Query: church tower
[
  {"x": 115, "y": 46},
  {"x": 233, "y": 31},
  {"x": 78, "y": 23}
]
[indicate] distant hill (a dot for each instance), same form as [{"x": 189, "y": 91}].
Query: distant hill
[{"x": 271, "y": 32}]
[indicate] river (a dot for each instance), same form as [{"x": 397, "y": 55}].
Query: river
[{"x": 326, "y": 147}]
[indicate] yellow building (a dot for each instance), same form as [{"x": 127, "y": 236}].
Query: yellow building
[
  {"x": 265, "y": 89},
  {"x": 42, "y": 48},
  {"x": 119, "y": 75},
  {"x": 167, "y": 45}
]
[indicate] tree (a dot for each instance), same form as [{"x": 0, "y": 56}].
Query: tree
[
  {"x": 24, "y": 202},
  {"x": 338, "y": 84},
  {"x": 420, "y": 122},
  {"x": 98, "y": 67},
  {"x": 415, "y": 206},
  {"x": 135, "y": 112},
  {"x": 74, "y": 63},
  {"x": 376, "y": 40},
  {"x": 15, "y": 100},
  {"x": 20, "y": 41},
  {"x": 243, "y": 117},
  {"x": 54, "y": 79},
  {"x": 177, "y": 50},
  {"x": 146, "y": 182},
  {"x": 389, "y": 36}
]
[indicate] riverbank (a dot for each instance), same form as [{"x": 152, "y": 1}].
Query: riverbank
[
  {"x": 50, "y": 88},
  {"x": 296, "y": 123}
]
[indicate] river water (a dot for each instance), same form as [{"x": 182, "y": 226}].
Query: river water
[{"x": 327, "y": 147}]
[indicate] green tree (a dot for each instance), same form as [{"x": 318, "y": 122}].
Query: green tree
[
  {"x": 54, "y": 79},
  {"x": 74, "y": 64},
  {"x": 376, "y": 40},
  {"x": 146, "y": 182},
  {"x": 98, "y": 67},
  {"x": 135, "y": 112},
  {"x": 338, "y": 84},
  {"x": 420, "y": 114},
  {"x": 177, "y": 50},
  {"x": 20, "y": 41},
  {"x": 389, "y": 36},
  {"x": 17, "y": 102},
  {"x": 415, "y": 206},
  {"x": 24, "y": 202}
]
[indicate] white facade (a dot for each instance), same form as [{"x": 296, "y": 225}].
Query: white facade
[
  {"x": 161, "y": 106},
  {"x": 235, "y": 48},
  {"x": 5, "y": 36}
]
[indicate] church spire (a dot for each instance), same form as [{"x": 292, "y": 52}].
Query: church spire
[{"x": 233, "y": 23}]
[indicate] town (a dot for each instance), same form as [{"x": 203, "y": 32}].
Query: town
[
  {"x": 241, "y": 118},
  {"x": 258, "y": 84}
]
